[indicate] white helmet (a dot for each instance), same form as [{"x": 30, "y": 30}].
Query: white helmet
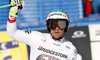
[{"x": 55, "y": 15}]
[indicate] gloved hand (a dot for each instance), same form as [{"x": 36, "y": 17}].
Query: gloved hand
[{"x": 19, "y": 4}]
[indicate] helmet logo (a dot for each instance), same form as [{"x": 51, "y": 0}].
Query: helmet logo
[
  {"x": 64, "y": 15},
  {"x": 55, "y": 14}
]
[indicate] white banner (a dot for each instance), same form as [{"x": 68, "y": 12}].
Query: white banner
[{"x": 94, "y": 31}]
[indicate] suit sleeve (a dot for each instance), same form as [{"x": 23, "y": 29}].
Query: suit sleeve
[
  {"x": 16, "y": 34},
  {"x": 79, "y": 57},
  {"x": 13, "y": 32},
  {"x": 74, "y": 55},
  {"x": 73, "y": 52}
]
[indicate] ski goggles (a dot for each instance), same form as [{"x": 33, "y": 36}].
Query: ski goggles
[{"x": 60, "y": 23}]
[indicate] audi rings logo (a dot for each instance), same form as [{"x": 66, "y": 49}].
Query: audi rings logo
[{"x": 78, "y": 34}]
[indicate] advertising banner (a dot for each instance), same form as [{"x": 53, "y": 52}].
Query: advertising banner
[
  {"x": 11, "y": 49},
  {"x": 79, "y": 36},
  {"x": 94, "y": 31}
]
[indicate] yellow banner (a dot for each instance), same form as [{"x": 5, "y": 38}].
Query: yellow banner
[{"x": 11, "y": 49}]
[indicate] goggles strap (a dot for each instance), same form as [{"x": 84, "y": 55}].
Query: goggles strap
[{"x": 65, "y": 35}]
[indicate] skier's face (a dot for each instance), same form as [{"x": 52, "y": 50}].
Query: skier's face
[{"x": 57, "y": 33}]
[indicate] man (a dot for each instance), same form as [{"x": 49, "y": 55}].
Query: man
[{"x": 44, "y": 46}]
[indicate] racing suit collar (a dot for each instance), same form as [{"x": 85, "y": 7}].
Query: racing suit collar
[{"x": 59, "y": 41}]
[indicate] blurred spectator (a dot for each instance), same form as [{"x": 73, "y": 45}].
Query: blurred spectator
[
  {"x": 96, "y": 6},
  {"x": 87, "y": 7}
]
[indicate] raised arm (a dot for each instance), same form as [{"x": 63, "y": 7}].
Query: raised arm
[{"x": 12, "y": 30}]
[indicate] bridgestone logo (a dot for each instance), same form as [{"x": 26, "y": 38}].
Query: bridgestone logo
[{"x": 52, "y": 52}]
